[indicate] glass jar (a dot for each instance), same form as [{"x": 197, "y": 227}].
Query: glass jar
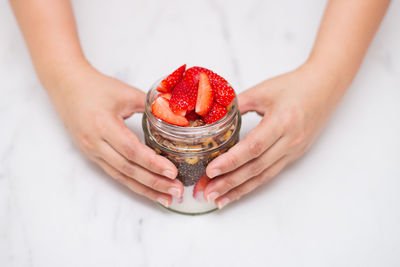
[{"x": 190, "y": 149}]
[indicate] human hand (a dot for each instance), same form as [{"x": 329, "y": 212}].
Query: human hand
[
  {"x": 93, "y": 107},
  {"x": 295, "y": 107}
]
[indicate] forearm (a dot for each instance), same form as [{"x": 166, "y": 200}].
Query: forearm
[
  {"x": 345, "y": 33},
  {"x": 50, "y": 33}
]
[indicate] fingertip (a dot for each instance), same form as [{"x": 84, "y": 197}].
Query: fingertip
[
  {"x": 245, "y": 103},
  {"x": 213, "y": 172},
  {"x": 169, "y": 174}
]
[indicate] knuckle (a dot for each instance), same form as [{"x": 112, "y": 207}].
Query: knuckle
[
  {"x": 85, "y": 142},
  {"x": 152, "y": 163},
  {"x": 128, "y": 169},
  {"x": 264, "y": 178},
  {"x": 256, "y": 148},
  {"x": 241, "y": 191},
  {"x": 129, "y": 152},
  {"x": 257, "y": 167},
  {"x": 99, "y": 121},
  {"x": 233, "y": 160},
  {"x": 299, "y": 139},
  {"x": 145, "y": 191},
  {"x": 155, "y": 183},
  {"x": 290, "y": 116},
  {"x": 228, "y": 183}
]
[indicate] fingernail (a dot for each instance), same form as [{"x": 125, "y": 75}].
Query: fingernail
[
  {"x": 180, "y": 200},
  {"x": 175, "y": 192},
  {"x": 199, "y": 196},
  {"x": 214, "y": 172},
  {"x": 169, "y": 174},
  {"x": 223, "y": 202},
  {"x": 212, "y": 196},
  {"x": 163, "y": 201}
]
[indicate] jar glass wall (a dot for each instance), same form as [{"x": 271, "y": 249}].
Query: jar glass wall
[{"x": 190, "y": 149}]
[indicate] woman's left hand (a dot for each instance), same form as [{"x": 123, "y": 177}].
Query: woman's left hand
[{"x": 295, "y": 107}]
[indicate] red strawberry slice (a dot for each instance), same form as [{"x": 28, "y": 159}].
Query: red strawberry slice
[
  {"x": 216, "y": 112},
  {"x": 204, "y": 95},
  {"x": 166, "y": 96},
  {"x": 192, "y": 75},
  {"x": 191, "y": 78},
  {"x": 161, "y": 110},
  {"x": 192, "y": 116},
  {"x": 223, "y": 93},
  {"x": 179, "y": 100},
  {"x": 198, "y": 190},
  {"x": 172, "y": 80}
]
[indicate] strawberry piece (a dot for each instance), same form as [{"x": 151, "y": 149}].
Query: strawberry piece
[
  {"x": 192, "y": 116},
  {"x": 198, "y": 190},
  {"x": 161, "y": 110},
  {"x": 179, "y": 99},
  {"x": 191, "y": 78},
  {"x": 192, "y": 75},
  {"x": 166, "y": 96},
  {"x": 172, "y": 80},
  {"x": 216, "y": 112},
  {"x": 204, "y": 95},
  {"x": 223, "y": 93}
]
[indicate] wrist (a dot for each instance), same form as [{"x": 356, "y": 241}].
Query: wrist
[
  {"x": 328, "y": 84},
  {"x": 55, "y": 75}
]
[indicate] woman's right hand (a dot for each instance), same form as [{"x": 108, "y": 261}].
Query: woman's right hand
[{"x": 93, "y": 107}]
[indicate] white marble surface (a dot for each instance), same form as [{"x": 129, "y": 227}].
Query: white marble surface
[{"x": 338, "y": 206}]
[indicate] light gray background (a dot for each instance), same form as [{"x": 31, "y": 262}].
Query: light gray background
[{"x": 337, "y": 206}]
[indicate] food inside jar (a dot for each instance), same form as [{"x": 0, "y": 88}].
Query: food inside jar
[{"x": 191, "y": 166}]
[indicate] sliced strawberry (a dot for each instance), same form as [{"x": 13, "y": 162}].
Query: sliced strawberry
[
  {"x": 191, "y": 78},
  {"x": 192, "y": 95},
  {"x": 223, "y": 93},
  {"x": 192, "y": 75},
  {"x": 179, "y": 100},
  {"x": 198, "y": 190},
  {"x": 192, "y": 116},
  {"x": 216, "y": 112},
  {"x": 172, "y": 80},
  {"x": 161, "y": 110},
  {"x": 166, "y": 96},
  {"x": 204, "y": 95}
]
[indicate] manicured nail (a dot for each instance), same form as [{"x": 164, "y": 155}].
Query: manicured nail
[
  {"x": 199, "y": 196},
  {"x": 175, "y": 192},
  {"x": 163, "y": 201},
  {"x": 169, "y": 174},
  {"x": 212, "y": 196},
  {"x": 223, "y": 202},
  {"x": 215, "y": 172},
  {"x": 180, "y": 200}
]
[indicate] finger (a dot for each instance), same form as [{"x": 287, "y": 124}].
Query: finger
[
  {"x": 140, "y": 100},
  {"x": 252, "y": 184},
  {"x": 229, "y": 181},
  {"x": 134, "y": 171},
  {"x": 127, "y": 144},
  {"x": 252, "y": 146},
  {"x": 135, "y": 186},
  {"x": 246, "y": 101},
  {"x": 250, "y": 100}
]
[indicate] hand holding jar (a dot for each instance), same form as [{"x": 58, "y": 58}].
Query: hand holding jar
[
  {"x": 93, "y": 107},
  {"x": 295, "y": 107}
]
